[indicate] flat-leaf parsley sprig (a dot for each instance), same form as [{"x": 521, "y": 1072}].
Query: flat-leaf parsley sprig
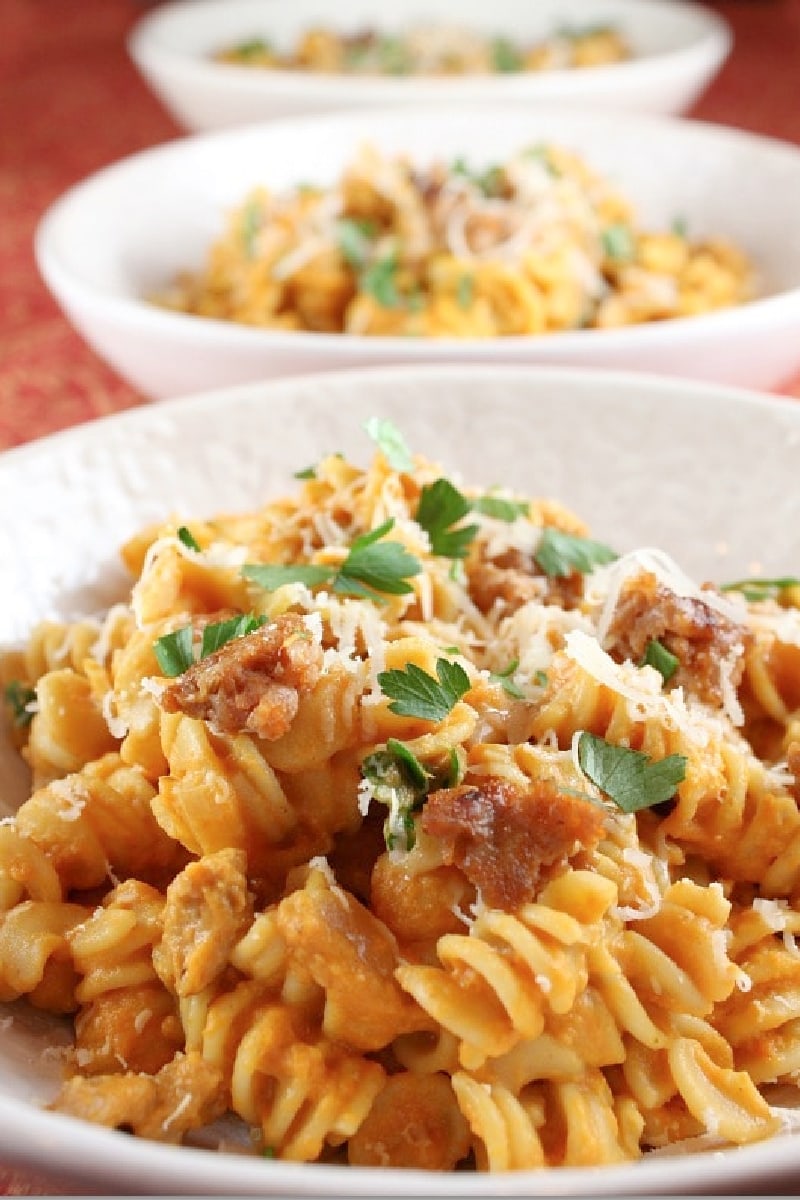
[
  {"x": 372, "y": 569},
  {"x": 176, "y": 651},
  {"x": 629, "y": 777},
  {"x": 415, "y": 693},
  {"x": 396, "y": 777}
]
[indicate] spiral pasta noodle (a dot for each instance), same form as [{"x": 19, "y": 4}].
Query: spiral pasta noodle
[{"x": 403, "y": 824}]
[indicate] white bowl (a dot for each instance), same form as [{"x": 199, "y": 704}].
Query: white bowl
[
  {"x": 614, "y": 447},
  {"x": 677, "y": 46},
  {"x": 125, "y": 232}
]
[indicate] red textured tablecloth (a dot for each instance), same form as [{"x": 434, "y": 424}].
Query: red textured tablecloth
[{"x": 71, "y": 102}]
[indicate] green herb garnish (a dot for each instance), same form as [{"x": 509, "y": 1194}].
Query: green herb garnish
[
  {"x": 507, "y": 683},
  {"x": 251, "y": 225},
  {"x": 761, "y": 589},
  {"x": 465, "y": 291},
  {"x": 658, "y": 656},
  {"x": 441, "y": 507},
  {"x": 306, "y": 473},
  {"x": 372, "y": 567},
  {"x": 353, "y": 239},
  {"x": 415, "y": 693},
  {"x": 18, "y": 697},
  {"x": 379, "y": 280},
  {"x": 391, "y": 443},
  {"x": 629, "y": 777},
  {"x": 189, "y": 540},
  {"x": 618, "y": 243},
  {"x": 252, "y": 47},
  {"x": 499, "y": 508},
  {"x": 560, "y": 553},
  {"x": 505, "y": 56},
  {"x": 175, "y": 651}
]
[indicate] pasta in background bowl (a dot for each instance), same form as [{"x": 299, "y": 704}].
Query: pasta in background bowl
[
  {"x": 408, "y": 514},
  {"x": 658, "y": 58},
  {"x": 431, "y": 269}
]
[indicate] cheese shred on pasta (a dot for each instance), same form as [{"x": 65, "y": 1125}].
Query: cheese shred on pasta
[{"x": 402, "y": 823}]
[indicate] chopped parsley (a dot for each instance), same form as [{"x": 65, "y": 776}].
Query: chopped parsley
[
  {"x": 391, "y": 443},
  {"x": 441, "y": 507},
  {"x": 490, "y": 181},
  {"x": 373, "y": 567},
  {"x": 618, "y": 243},
  {"x": 399, "y": 780},
  {"x": 500, "y": 508},
  {"x": 19, "y": 698},
  {"x": 354, "y": 241},
  {"x": 658, "y": 656},
  {"x": 465, "y": 292},
  {"x": 175, "y": 651},
  {"x": 761, "y": 589},
  {"x": 188, "y": 539},
  {"x": 379, "y": 280},
  {"x": 505, "y": 56},
  {"x": 559, "y": 553},
  {"x": 628, "y": 777},
  {"x": 507, "y": 683},
  {"x": 306, "y": 473},
  {"x": 415, "y": 693}
]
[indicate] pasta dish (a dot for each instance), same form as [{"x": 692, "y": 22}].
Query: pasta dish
[
  {"x": 400, "y": 822},
  {"x": 534, "y": 245},
  {"x": 432, "y": 50}
]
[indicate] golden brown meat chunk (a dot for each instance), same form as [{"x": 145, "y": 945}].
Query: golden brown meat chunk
[
  {"x": 514, "y": 578},
  {"x": 502, "y": 835},
  {"x": 414, "y": 1123},
  {"x": 252, "y": 683},
  {"x": 185, "y": 1094},
  {"x": 208, "y": 909},
  {"x": 700, "y": 637},
  {"x": 353, "y": 957}
]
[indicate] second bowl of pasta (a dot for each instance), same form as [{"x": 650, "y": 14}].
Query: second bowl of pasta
[{"x": 330, "y": 242}]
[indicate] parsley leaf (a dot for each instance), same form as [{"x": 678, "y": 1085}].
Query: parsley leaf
[
  {"x": 372, "y": 566},
  {"x": 500, "y": 508},
  {"x": 376, "y": 566},
  {"x": 353, "y": 238},
  {"x": 415, "y": 693},
  {"x": 761, "y": 589},
  {"x": 215, "y": 636},
  {"x": 507, "y": 683},
  {"x": 505, "y": 56},
  {"x": 379, "y": 281},
  {"x": 399, "y": 780},
  {"x": 306, "y": 473},
  {"x": 391, "y": 443},
  {"x": 274, "y": 575},
  {"x": 175, "y": 652},
  {"x": 465, "y": 291},
  {"x": 658, "y": 656},
  {"x": 618, "y": 243},
  {"x": 18, "y": 697},
  {"x": 441, "y": 506},
  {"x": 560, "y": 553},
  {"x": 187, "y": 537},
  {"x": 629, "y": 777}
]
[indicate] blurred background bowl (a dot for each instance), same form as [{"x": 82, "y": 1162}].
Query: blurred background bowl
[
  {"x": 126, "y": 232},
  {"x": 677, "y": 48}
]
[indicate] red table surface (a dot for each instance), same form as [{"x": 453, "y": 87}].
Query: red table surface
[{"x": 72, "y": 102}]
